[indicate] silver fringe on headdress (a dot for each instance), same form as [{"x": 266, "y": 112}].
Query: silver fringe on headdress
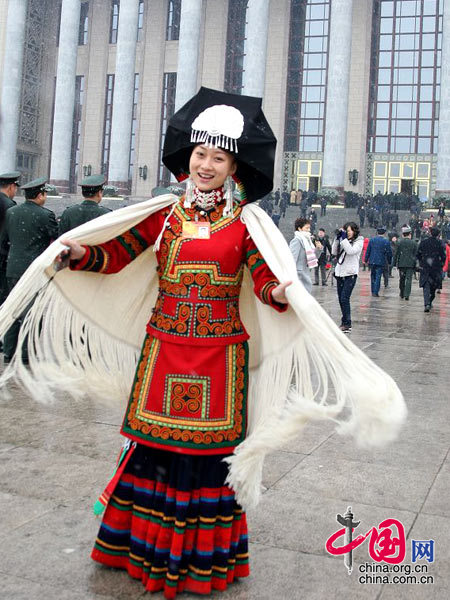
[{"x": 214, "y": 141}]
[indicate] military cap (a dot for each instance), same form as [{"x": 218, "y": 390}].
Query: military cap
[
  {"x": 381, "y": 230},
  {"x": 93, "y": 181},
  {"x": 35, "y": 187},
  {"x": 91, "y": 185},
  {"x": 7, "y": 178},
  {"x": 406, "y": 229}
]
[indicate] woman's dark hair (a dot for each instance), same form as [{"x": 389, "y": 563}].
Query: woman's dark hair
[
  {"x": 354, "y": 227},
  {"x": 300, "y": 222}
]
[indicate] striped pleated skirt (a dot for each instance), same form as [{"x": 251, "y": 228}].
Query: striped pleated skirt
[{"x": 173, "y": 523}]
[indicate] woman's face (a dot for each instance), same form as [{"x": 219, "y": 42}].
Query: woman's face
[
  {"x": 350, "y": 233},
  {"x": 209, "y": 167},
  {"x": 306, "y": 227}
]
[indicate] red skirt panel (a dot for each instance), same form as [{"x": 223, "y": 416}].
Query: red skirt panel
[{"x": 189, "y": 400}]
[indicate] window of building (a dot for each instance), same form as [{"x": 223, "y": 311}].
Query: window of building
[
  {"x": 394, "y": 176},
  {"x": 405, "y": 76},
  {"x": 307, "y": 75},
  {"x": 140, "y": 20},
  {"x": 114, "y": 25},
  {"x": 76, "y": 132},
  {"x": 167, "y": 110},
  {"x": 84, "y": 24},
  {"x": 133, "y": 125},
  {"x": 109, "y": 94},
  {"x": 234, "y": 58},
  {"x": 308, "y": 174},
  {"x": 173, "y": 20}
]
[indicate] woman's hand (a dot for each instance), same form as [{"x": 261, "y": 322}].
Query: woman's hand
[
  {"x": 279, "y": 292},
  {"x": 75, "y": 252}
]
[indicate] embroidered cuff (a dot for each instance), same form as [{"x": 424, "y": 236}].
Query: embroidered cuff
[
  {"x": 95, "y": 259},
  {"x": 267, "y": 298}
]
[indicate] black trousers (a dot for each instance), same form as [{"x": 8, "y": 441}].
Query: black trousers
[
  {"x": 429, "y": 292},
  {"x": 323, "y": 273},
  {"x": 345, "y": 287},
  {"x": 12, "y": 335}
]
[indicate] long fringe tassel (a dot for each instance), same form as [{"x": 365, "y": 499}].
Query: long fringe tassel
[
  {"x": 298, "y": 380},
  {"x": 67, "y": 352}
]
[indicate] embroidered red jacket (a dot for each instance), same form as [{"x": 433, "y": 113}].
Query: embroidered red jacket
[{"x": 199, "y": 279}]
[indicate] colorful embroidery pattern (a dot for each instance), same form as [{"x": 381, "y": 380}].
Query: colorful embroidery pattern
[
  {"x": 187, "y": 396},
  {"x": 97, "y": 259},
  {"x": 133, "y": 242},
  {"x": 254, "y": 259},
  {"x": 184, "y": 415},
  {"x": 182, "y": 279},
  {"x": 196, "y": 320},
  {"x": 266, "y": 291}
]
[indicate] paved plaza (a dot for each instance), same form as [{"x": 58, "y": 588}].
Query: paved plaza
[{"x": 56, "y": 459}]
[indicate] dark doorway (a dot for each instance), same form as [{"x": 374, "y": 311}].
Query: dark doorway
[
  {"x": 313, "y": 184},
  {"x": 407, "y": 187}
]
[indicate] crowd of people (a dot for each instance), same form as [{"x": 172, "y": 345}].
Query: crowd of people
[
  {"x": 421, "y": 248},
  {"x": 275, "y": 205}
]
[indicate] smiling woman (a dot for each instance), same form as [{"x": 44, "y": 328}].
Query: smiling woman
[
  {"x": 187, "y": 409},
  {"x": 209, "y": 167}
]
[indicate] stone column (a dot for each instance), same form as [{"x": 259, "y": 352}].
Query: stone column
[
  {"x": 122, "y": 116},
  {"x": 12, "y": 83},
  {"x": 443, "y": 155},
  {"x": 65, "y": 95},
  {"x": 340, "y": 43},
  {"x": 188, "y": 49},
  {"x": 255, "y": 49}
]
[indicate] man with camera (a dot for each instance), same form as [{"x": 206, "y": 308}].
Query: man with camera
[{"x": 325, "y": 253}]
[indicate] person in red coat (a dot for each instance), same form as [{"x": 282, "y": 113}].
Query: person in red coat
[
  {"x": 446, "y": 267},
  {"x": 363, "y": 254}
]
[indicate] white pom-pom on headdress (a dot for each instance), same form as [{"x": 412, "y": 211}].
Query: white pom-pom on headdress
[{"x": 218, "y": 126}]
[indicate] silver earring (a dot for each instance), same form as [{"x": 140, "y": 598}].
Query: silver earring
[
  {"x": 228, "y": 193},
  {"x": 189, "y": 196}
]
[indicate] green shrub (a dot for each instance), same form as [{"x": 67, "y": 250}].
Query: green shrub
[
  {"x": 111, "y": 190},
  {"x": 51, "y": 190},
  {"x": 445, "y": 198}
]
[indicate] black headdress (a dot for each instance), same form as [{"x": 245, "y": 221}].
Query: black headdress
[{"x": 229, "y": 121}]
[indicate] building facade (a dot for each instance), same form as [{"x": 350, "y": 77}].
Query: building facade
[{"x": 355, "y": 91}]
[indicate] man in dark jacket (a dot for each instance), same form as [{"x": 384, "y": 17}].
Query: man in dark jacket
[
  {"x": 431, "y": 256},
  {"x": 323, "y": 257},
  {"x": 9, "y": 184},
  {"x": 29, "y": 229},
  {"x": 394, "y": 220},
  {"x": 313, "y": 219},
  {"x": 362, "y": 215},
  {"x": 405, "y": 261},
  {"x": 284, "y": 201},
  {"x": 378, "y": 255},
  {"x": 92, "y": 190}
]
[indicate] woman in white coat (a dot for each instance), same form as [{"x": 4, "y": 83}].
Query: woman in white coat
[{"x": 347, "y": 248}]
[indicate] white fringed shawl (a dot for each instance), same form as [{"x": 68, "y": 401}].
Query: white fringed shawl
[{"x": 85, "y": 331}]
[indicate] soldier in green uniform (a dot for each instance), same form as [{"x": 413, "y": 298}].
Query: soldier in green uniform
[
  {"x": 8, "y": 189},
  {"x": 92, "y": 190},
  {"x": 405, "y": 260},
  {"x": 29, "y": 229}
]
